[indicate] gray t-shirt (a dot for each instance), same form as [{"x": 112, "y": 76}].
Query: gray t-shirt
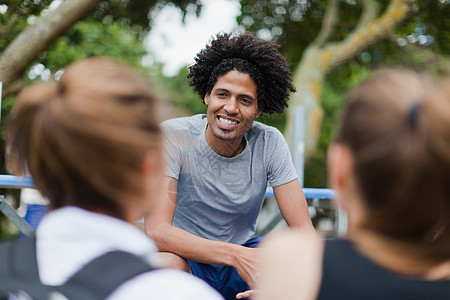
[{"x": 219, "y": 198}]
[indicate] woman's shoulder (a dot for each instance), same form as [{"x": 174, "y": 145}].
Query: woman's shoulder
[
  {"x": 165, "y": 284},
  {"x": 295, "y": 256}
]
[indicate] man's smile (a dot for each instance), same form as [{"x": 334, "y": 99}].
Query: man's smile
[{"x": 227, "y": 123}]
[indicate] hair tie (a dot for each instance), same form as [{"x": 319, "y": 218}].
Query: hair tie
[{"x": 412, "y": 114}]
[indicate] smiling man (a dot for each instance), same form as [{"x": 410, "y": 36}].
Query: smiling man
[{"x": 219, "y": 164}]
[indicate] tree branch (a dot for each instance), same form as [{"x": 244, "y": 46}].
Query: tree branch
[
  {"x": 370, "y": 12},
  {"x": 328, "y": 24},
  {"x": 368, "y": 33},
  {"x": 7, "y": 28},
  {"x": 317, "y": 62},
  {"x": 36, "y": 38},
  {"x": 13, "y": 87}
]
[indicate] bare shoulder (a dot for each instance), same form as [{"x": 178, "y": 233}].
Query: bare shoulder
[
  {"x": 293, "y": 241},
  {"x": 290, "y": 265}
]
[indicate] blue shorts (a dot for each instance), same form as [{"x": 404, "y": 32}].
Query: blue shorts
[{"x": 224, "y": 279}]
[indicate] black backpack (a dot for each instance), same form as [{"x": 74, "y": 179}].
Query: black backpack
[{"x": 19, "y": 279}]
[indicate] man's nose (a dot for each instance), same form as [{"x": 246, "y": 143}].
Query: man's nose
[{"x": 231, "y": 106}]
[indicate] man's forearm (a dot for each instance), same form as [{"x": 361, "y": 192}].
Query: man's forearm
[
  {"x": 184, "y": 244},
  {"x": 169, "y": 238}
]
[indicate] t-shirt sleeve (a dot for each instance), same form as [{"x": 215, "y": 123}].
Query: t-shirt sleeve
[
  {"x": 280, "y": 168},
  {"x": 172, "y": 151}
]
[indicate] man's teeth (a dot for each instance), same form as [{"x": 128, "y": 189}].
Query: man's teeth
[{"x": 227, "y": 122}]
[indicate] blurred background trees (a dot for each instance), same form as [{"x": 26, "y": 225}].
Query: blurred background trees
[
  {"x": 332, "y": 45},
  {"x": 38, "y": 38}
]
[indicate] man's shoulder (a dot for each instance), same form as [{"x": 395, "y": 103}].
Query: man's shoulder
[
  {"x": 259, "y": 128},
  {"x": 192, "y": 123}
]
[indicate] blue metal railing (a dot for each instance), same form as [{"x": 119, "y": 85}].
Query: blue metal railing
[
  {"x": 310, "y": 193},
  {"x": 15, "y": 182},
  {"x": 19, "y": 182}
]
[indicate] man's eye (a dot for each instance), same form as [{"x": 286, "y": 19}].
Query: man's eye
[{"x": 246, "y": 100}]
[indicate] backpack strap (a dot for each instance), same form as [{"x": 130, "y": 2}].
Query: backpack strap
[
  {"x": 19, "y": 270},
  {"x": 103, "y": 275},
  {"x": 18, "y": 258}
]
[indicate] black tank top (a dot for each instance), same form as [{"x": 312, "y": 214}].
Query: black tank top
[{"x": 349, "y": 275}]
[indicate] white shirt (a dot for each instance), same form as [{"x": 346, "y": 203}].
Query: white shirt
[{"x": 70, "y": 237}]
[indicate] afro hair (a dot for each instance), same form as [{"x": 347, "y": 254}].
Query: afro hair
[{"x": 247, "y": 54}]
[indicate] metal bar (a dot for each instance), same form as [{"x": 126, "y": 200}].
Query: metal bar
[
  {"x": 15, "y": 182},
  {"x": 298, "y": 141},
  {"x": 10, "y": 181},
  {"x": 18, "y": 182},
  {"x": 341, "y": 221},
  {"x": 310, "y": 193},
  {"x": 11, "y": 214}
]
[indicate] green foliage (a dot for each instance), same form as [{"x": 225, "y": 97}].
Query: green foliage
[
  {"x": 133, "y": 13},
  {"x": 276, "y": 120},
  {"x": 175, "y": 91},
  {"x": 295, "y": 24},
  {"x": 433, "y": 19},
  {"x": 136, "y": 12},
  {"x": 283, "y": 22},
  {"x": 89, "y": 38},
  {"x": 85, "y": 39},
  {"x": 181, "y": 94},
  {"x": 14, "y": 20},
  {"x": 334, "y": 91},
  {"x": 339, "y": 82},
  {"x": 315, "y": 170}
]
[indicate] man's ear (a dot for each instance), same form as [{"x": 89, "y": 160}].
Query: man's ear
[
  {"x": 206, "y": 99},
  {"x": 259, "y": 113}
]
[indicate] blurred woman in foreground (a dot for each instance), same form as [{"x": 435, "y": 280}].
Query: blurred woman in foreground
[
  {"x": 92, "y": 144},
  {"x": 390, "y": 167}
]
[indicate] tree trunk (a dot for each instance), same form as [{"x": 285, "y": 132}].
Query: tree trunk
[
  {"x": 321, "y": 57},
  {"x": 37, "y": 37}
]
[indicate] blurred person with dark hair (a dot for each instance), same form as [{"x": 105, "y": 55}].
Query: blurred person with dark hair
[
  {"x": 390, "y": 167},
  {"x": 219, "y": 164},
  {"x": 93, "y": 147}
]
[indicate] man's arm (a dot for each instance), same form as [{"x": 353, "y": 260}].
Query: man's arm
[
  {"x": 169, "y": 238},
  {"x": 292, "y": 204}
]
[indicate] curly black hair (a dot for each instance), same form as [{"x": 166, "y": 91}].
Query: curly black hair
[{"x": 247, "y": 54}]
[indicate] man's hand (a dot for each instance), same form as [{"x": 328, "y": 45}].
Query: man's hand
[
  {"x": 249, "y": 294},
  {"x": 245, "y": 264}
]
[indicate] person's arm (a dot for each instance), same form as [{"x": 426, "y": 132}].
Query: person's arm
[
  {"x": 290, "y": 266},
  {"x": 292, "y": 204},
  {"x": 172, "y": 239}
]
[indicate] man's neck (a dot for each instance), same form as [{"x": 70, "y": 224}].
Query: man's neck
[{"x": 226, "y": 148}]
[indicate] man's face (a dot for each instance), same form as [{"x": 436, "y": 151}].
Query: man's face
[{"x": 232, "y": 107}]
